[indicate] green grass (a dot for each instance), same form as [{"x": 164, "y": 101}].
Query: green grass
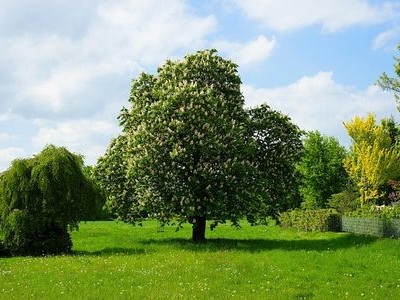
[{"x": 119, "y": 261}]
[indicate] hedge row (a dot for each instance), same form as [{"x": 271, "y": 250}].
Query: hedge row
[
  {"x": 311, "y": 220},
  {"x": 331, "y": 220}
]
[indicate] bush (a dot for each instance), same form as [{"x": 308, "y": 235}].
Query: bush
[
  {"x": 376, "y": 212},
  {"x": 26, "y": 236},
  {"x": 41, "y": 200},
  {"x": 345, "y": 201},
  {"x": 311, "y": 220},
  {"x": 3, "y": 250}
]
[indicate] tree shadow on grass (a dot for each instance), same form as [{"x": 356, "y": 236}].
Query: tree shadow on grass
[
  {"x": 111, "y": 251},
  {"x": 257, "y": 245},
  {"x": 344, "y": 241}
]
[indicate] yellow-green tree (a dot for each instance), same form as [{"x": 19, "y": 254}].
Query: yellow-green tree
[{"x": 373, "y": 159}]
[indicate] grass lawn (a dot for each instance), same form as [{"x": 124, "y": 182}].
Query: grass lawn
[{"x": 118, "y": 261}]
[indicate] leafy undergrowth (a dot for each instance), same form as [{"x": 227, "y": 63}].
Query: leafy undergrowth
[{"x": 118, "y": 261}]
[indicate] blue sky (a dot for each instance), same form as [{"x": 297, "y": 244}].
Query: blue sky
[{"x": 66, "y": 66}]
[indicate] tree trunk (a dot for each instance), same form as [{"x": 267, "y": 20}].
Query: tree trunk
[{"x": 199, "y": 229}]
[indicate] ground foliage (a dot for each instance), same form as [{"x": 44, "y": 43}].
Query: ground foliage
[{"x": 311, "y": 219}]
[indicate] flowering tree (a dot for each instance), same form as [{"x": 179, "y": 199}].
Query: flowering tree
[{"x": 188, "y": 149}]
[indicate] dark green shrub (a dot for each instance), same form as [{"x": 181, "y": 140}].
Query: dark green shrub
[
  {"x": 25, "y": 236},
  {"x": 41, "y": 200},
  {"x": 3, "y": 250},
  {"x": 100, "y": 211},
  {"x": 345, "y": 201},
  {"x": 311, "y": 219}
]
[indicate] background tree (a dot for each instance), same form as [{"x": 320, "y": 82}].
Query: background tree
[
  {"x": 391, "y": 126},
  {"x": 188, "y": 147},
  {"x": 41, "y": 200},
  {"x": 321, "y": 169},
  {"x": 374, "y": 159},
  {"x": 279, "y": 149},
  {"x": 346, "y": 200},
  {"x": 101, "y": 211},
  {"x": 391, "y": 83}
]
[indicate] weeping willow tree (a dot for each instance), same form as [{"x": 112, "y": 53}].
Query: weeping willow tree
[{"x": 42, "y": 199}]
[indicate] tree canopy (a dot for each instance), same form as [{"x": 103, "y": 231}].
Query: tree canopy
[
  {"x": 392, "y": 83},
  {"x": 374, "y": 158},
  {"x": 279, "y": 148},
  {"x": 321, "y": 169},
  {"x": 190, "y": 151}
]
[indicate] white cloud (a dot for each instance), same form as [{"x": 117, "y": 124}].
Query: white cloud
[
  {"x": 87, "y": 137},
  {"x": 59, "y": 91},
  {"x": 287, "y": 15},
  {"x": 67, "y": 65},
  {"x": 150, "y": 30},
  {"x": 248, "y": 53},
  {"x": 9, "y": 154},
  {"x": 5, "y": 117},
  {"x": 387, "y": 39},
  {"x": 52, "y": 72},
  {"x": 319, "y": 103}
]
